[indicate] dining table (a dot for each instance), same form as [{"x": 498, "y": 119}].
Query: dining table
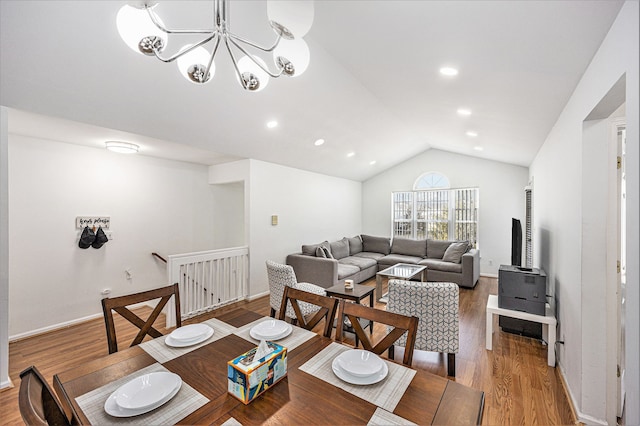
[{"x": 310, "y": 393}]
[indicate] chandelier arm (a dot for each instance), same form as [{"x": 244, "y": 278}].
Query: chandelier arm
[
  {"x": 264, "y": 68},
  {"x": 187, "y": 50},
  {"x": 252, "y": 44},
  {"x": 161, "y": 27},
  {"x": 213, "y": 54},
  {"x": 235, "y": 63}
]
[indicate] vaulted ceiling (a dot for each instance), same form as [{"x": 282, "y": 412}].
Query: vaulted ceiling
[{"x": 373, "y": 86}]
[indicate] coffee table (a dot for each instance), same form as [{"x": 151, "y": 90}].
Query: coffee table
[
  {"x": 356, "y": 294},
  {"x": 405, "y": 271}
]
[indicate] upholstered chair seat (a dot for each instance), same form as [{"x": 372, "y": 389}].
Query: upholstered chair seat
[
  {"x": 279, "y": 277},
  {"x": 436, "y": 306}
]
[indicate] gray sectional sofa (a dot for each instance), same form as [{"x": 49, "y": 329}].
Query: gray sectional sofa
[{"x": 359, "y": 258}]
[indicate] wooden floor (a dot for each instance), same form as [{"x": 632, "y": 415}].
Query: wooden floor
[{"x": 519, "y": 386}]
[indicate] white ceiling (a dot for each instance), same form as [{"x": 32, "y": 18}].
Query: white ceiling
[{"x": 372, "y": 87}]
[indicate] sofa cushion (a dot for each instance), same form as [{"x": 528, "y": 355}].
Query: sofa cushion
[
  {"x": 409, "y": 247},
  {"x": 393, "y": 258},
  {"x": 340, "y": 249},
  {"x": 369, "y": 255},
  {"x": 345, "y": 271},
  {"x": 455, "y": 251},
  {"x": 310, "y": 249},
  {"x": 436, "y": 248},
  {"x": 360, "y": 262},
  {"x": 376, "y": 244},
  {"x": 355, "y": 245},
  {"x": 441, "y": 265}
]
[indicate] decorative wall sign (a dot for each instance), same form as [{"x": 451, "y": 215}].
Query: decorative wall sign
[{"x": 91, "y": 221}]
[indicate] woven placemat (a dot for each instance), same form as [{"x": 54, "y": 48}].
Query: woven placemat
[
  {"x": 384, "y": 418},
  {"x": 186, "y": 401},
  {"x": 297, "y": 337},
  {"x": 385, "y": 394},
  {"x": 162, "y": 353}
]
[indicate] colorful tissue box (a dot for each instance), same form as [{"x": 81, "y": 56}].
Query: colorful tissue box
[{"x": 248, "y": 378}]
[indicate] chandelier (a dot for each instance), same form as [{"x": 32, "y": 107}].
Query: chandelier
[{"x": 144, "y": 32}]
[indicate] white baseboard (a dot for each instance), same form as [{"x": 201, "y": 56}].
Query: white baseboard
[
  {"x": 53, "y": 327},
  {"x": 489, "y": 275},
  {"x": 6, "y": 385},
  {"x": 257, "y": 296}
]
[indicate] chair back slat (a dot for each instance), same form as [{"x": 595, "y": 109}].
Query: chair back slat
[
  {"x": 327, "y": 307},
  {"x": 120, "y": 305},
  {"x": 401, "y": 324},
  {"x": 38, "y": 405}
]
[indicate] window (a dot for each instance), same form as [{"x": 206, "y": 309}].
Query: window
[{"x": 439, "y": 214}]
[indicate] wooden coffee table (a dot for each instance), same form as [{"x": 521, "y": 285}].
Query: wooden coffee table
[
  {"x": 356, "y": 294},
  {"x": 404, "y": 271}
]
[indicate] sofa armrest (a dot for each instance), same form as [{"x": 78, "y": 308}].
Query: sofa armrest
[
  {"x": 315, "y": 270},
  {"x": 470, "y": 268}
]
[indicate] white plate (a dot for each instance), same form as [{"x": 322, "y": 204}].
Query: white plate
[
  {"x": 189, "y": 333},
  {"x": 112, "y": 408},
  {"x": 169, "y": 341},
  {"x": 359, "y": 363},
  {"x": 284, "y": 334},
  {"x": 146, "y": 390},
  {"x": 354, "y": 380},
  {"x": 270, "y": 328}
]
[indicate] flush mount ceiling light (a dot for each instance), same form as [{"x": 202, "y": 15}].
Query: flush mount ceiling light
[
  {"x": 122, "y": 147},
  {"x": 464, "y": 111},
  {"x": 448, "y": 71},
  {"x": 472, "y": 134},
  {"x": 272, "y": 124},
  {"x": 144, "y": 32},
  {"x": 319, "y": 142}
]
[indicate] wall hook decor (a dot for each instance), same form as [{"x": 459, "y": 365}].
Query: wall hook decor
[{"x": 87, "y": 238}]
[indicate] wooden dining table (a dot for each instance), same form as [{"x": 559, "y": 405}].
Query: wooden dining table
[{"x": 299, "y": 398}]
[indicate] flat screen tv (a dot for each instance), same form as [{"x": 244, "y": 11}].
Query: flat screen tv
[{"x": 516, "y": 242}]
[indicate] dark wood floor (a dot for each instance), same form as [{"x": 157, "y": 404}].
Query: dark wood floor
[{"x": 519, "y": 386}]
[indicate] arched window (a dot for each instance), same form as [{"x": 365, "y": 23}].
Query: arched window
[{"x": 431, "y": 180}]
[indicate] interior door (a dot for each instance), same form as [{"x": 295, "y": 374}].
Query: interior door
[{"x": 622, "y": 276}]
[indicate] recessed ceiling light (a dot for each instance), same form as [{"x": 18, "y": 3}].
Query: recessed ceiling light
[
  {"x": 448, "y": 71},
  {"x": 478, "y": 148},
  {"x": 319, "y": 142},
  {"x": 472, "y": 134},
  {"x": 372, "y": 162},
  {"x": 351, "y": 154},
  {"x": 121, "y": 147},
  {"x": 464, "y": 111},
  {"x": 271, "y": 124}
]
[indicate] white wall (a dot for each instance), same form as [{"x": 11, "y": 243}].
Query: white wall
[
  {"x": 228, "y": 214},
  {"x": 155, "y": 206},
  {"x": 559, "y": 221},
  {"x": 310, "y": 207},
  {"x": 501, "y": 198},
  {"x": 4, "y": 250}
]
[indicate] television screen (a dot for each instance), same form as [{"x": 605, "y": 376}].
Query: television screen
[{"x": 516, "y": 242}]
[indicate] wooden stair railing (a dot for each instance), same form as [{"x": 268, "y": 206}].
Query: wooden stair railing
[{"x": 159, "y": 257}]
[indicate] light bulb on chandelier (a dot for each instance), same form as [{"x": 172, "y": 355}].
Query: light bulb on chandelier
[{"x": 144, "y": 32}]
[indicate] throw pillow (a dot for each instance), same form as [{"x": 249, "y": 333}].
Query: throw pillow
[
  {"x": 310, "y": 249},
  {"x": 340, "y": 249},
  {"x": 455, "y": 251},
  {"x": 355, "y": 245},
  {"x": 320, "y": 252},
  {"x": 327, "y": 252},
  {"x": 376, "y": 244}
]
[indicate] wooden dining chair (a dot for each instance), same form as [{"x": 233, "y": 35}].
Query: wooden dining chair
[
  {"x": 119, "y": 304},
  {"x": 38, "y": 405},
  {"x": 327, "y": 307},
  {"x": 397, "y": 325}
]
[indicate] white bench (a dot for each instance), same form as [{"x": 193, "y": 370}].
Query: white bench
[{"x": 548, "y": 322}]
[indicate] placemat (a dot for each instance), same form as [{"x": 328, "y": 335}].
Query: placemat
[
  {"x": 297, "y": 337},
  {"x": 186, "y": 401},
  {"x": 163, "y": 353},
  {"x": 385, "y": 394},
  {"x": 384, "y": 418}
]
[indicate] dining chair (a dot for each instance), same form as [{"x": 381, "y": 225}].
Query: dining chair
[
  {"x": 325, "y": 308},
  {"x": 120, "y": 304},
  {"x": 38, "y": 405},
  {"x": 397, "y": 326},
  {"x": 281, "y": 276},
  {"x": 436, "y": 305}
]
